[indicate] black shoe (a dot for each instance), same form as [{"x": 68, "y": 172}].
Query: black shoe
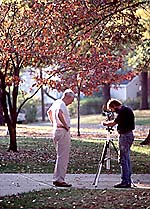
[
  {"x": 121, "y": 185},
  {"x": 61, "y": 184},
  {"x": 145, "y": 142}
]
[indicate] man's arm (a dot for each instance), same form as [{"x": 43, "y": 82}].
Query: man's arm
[
  {"x": 49, "y": 113},
  {"x": 61, "y": 118},
  {"x": 109, "y": 123}
]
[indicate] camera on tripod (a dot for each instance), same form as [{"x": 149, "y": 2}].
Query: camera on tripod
[
  {"x": 109, "y": 116},
  {"x": 106, "y": 153}
]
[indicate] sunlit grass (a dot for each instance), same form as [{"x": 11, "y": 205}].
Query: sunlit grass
[
  {"x": 142, "y": 117},
  {"x": 89, "y": 119},
  {"x": 142, "y": 121},
  {"x": 141, "y": 149},
  {"x": 142, "y": 113},
  {"x": 36, "y": 148}
]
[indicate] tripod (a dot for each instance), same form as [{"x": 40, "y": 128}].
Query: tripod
[{"x": 106, "y": 156}]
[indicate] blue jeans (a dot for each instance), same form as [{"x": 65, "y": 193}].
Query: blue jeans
[{"x": 125, "y": 142}]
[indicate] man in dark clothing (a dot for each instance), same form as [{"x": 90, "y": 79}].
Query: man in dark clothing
[{"x": 125, "y": 126}]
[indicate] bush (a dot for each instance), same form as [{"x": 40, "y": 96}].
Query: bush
[
  {"x": 91, "y": 105},
  {"x": 31, "y": 113},
  {"x": 88, "y": 105},
  {"x": 31, "y": 110},
  {"x": 133, "y": 103},
  {"x": 73, "y": 108}
]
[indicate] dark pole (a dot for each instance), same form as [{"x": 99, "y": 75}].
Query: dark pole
[{"x": 42, "y": 99}]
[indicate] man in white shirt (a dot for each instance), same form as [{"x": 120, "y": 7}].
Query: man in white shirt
[{"x": 59, "y": 116}]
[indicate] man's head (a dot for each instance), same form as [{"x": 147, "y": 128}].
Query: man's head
[
  {"x": 114, "y": 105},
  {"x": 68, "y": 96}
]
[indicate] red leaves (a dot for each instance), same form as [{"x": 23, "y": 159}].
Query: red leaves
[
  {"x": 92, "y": 68},
  {"x": 73, "y": 34}
]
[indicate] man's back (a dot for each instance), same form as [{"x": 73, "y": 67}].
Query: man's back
[{"x": 125, "y": 120}]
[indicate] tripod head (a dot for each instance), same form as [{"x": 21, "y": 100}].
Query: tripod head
[{"x": 109, "y": 129}]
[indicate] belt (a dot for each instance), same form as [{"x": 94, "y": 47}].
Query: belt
[
  {"x": 60, "y": 126},
  {"x": 120, "y": 132}
]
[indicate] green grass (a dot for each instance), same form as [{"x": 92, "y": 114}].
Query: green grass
[
  {"x": 79, "y": 199},
  {"x": 88, "y": 119},
  {"x": 142, "y": 121}
]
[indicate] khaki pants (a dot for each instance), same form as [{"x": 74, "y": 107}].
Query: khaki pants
[{"x": 62, "y": 144}]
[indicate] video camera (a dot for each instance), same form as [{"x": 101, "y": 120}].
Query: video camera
[{"x": 109, "y": 116}]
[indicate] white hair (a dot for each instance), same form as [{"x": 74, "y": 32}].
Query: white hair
[{"x": 68, "y": 92}]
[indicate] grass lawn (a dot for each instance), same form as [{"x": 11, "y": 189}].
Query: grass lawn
[
  {"x": 142, "y": 117},
  {"x": 37, "y": 155},
  {"x": 79, "y": 199}
]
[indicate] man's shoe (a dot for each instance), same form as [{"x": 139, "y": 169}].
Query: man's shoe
[
  {"x": 61, "y": 184},
  {"x": 145, "y": 142},
  {"x": 121, "y": 185}
]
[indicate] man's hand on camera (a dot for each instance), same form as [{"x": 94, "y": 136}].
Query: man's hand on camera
[
  {"x": 109, "y": 123},
  {"x": 104, "y": 123}
]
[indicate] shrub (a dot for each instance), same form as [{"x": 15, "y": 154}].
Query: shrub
[
  {"x": 91, "y": 105},
  {"x": 31, "y": 113},
  {"x": 31, "y": 110},
  {"x": 73, "y": 108},
  {"x": 88, "y": 105},
  {"x": 133, "y": 103}
]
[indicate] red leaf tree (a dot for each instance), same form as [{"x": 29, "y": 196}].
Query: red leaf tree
[
  {"x": 26, "y": 40},
  {"x": 95, "y": 35}
]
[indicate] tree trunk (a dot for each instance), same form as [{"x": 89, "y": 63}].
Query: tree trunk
[
  {"x": 43, "y": 104},
  {"x": 12, "y": 134},
  {"x": 144, "y": 90},
  {"x": 106, "y": 93},
  {"x": 10, "y": 116},
  {"x": 42, "y": 98},
  {"x": 78, "y": 111},
  {"x": 2, "y": 122}
]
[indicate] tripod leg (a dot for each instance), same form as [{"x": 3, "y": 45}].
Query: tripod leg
[
  {"x": 100, "y": 164},
  {"x": 97, "y": 176},
  {"x": 108, "y": 158},
  {"x": 116, "y": 150},
  {"x": 114, "y": 147}
]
